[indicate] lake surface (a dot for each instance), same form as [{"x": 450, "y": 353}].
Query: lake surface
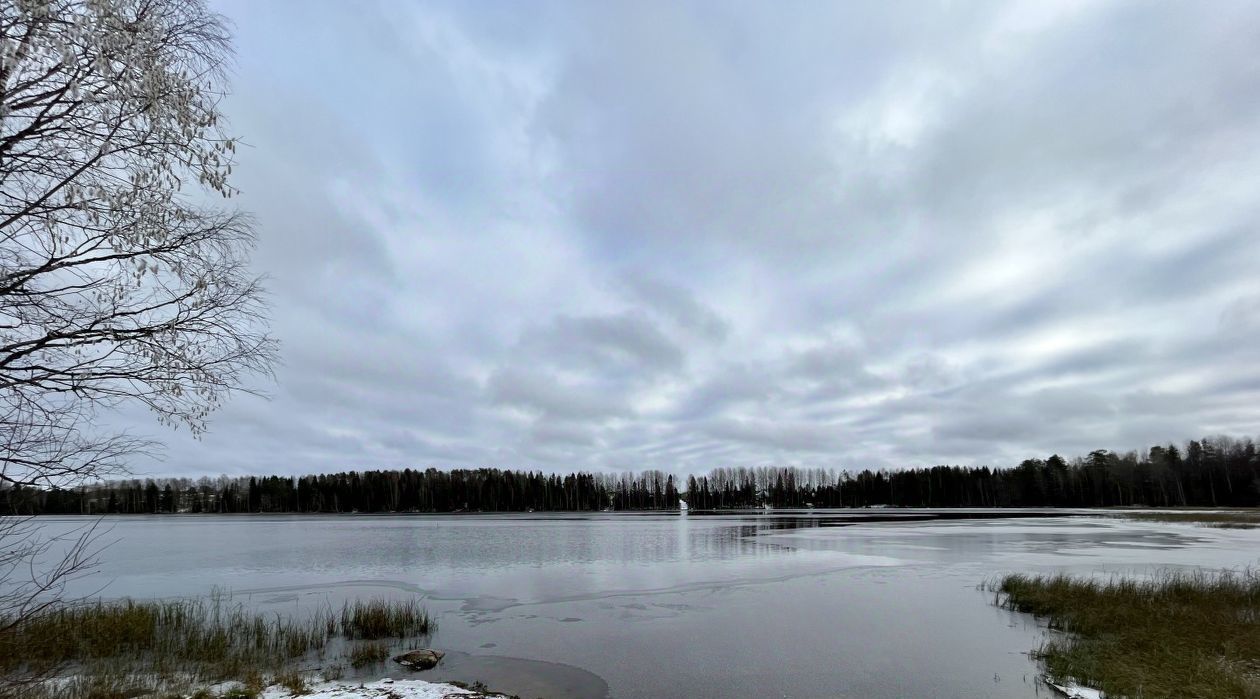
[{"x": 630, "y": 606}]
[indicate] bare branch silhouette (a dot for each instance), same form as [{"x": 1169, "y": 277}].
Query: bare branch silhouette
[{"x": 121, "y": 280}]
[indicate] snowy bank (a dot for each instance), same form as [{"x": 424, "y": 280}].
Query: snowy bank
[
  {"x": 1071, "y": 690},
  {"x": 382, "y": 689}
]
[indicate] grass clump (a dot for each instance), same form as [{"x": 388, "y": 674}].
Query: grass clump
[
  {"x": 105, "y": 685},
  {"x": 294, "y": 682},
  {"x": 364, "y": 654},
  {"x": 239, "y": 691},
  {"x": 128, "y": 648},
  {"x": 209, "y": 637},
  {"x": 1231, "y": 519},
  {"x": 1174, "y": 635},
  {"x": 378, "y": 618}
]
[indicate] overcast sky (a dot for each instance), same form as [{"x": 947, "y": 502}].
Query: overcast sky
[{"x": 635, "y": 235}]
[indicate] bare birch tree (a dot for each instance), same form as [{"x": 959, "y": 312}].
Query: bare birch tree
[{"x": 123, "y": 276}]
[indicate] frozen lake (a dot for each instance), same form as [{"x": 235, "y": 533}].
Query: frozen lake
[{"x": 804, "y": 604}]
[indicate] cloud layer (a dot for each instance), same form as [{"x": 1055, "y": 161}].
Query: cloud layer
[{"x": 660, "y": 235}]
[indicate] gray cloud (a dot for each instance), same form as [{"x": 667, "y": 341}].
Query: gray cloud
[
  {"x": 639, "y": 235},
  {"x": 551, "y": 396},
  {"x": 621, "y": 342},
  {"x": 678, "y": 304}
]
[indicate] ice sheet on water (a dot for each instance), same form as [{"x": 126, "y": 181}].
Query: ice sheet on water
[{"x": 1083, "y": 542}]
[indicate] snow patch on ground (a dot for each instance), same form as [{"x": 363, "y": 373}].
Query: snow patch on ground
[
  {"x": 381, "y": 689},
  {"x": 1071, "y": 690}
]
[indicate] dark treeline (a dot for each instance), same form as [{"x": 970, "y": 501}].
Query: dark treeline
[
  {"x": 1217, "y": 471},
  {"x": 432, "y": 490}
]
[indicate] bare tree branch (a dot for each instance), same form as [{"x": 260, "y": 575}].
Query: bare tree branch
[{"x": 121, "y": 278}]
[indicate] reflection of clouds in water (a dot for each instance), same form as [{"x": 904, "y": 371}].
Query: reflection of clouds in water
[
  {"x": 499, "y": 561},
  {"x": 702, "y": 594}
]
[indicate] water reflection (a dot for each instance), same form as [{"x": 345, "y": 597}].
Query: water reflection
[{"x": 753, "y": 604}]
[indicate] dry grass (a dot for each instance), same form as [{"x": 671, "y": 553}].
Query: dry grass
[
  {"x": 364, "y": 654},
  {"x": 293, "y": 681},
  {"x": 198, "y": 636},
  {"x": 127, "y": 648},
  {"x": 378, "y": 618},
  {"x": 1177, "y": 635}
]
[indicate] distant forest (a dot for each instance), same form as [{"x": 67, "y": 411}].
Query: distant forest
[{"x": 1217, "y": 471}]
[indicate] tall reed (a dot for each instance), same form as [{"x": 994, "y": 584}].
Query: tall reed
[
  {"x": 1175, "y": 634},
  {"x": 378, "y": 618},
  {"x": 104, "y": 647}
]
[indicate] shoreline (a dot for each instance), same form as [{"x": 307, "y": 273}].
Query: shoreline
[{"x": 382, "y": 689}]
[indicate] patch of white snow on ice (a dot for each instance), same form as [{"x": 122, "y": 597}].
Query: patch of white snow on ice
[
  {"x": 1076, "y": 691},
  {"x": 381, "y": 689}
]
